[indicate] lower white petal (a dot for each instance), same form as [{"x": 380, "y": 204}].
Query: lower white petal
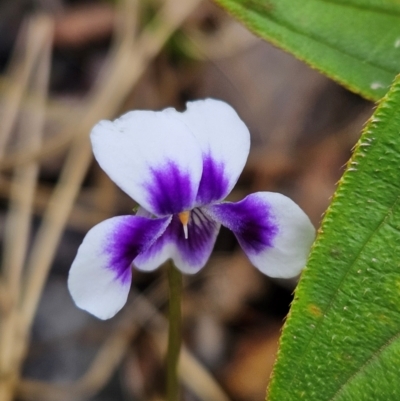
[
  {"x": 188, "y": 254},
  {"x": 100, "y": 276},
  {"x": 273, "y": 231}
]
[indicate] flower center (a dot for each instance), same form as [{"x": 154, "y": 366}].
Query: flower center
[{"x": 184, "y": 218}]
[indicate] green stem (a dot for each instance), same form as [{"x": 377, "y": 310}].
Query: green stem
[{"x": 174, "y": 333}]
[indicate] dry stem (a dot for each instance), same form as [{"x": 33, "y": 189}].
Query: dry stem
[
  {"x": 18, "y": 221},
  {"x": 140, "y": 313},
  {"x": 128, "y": 60}
]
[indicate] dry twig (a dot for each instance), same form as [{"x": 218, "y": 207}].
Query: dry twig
[
  {"x": 146, "y": 315},
  {"x": 38, "y": 34},
  {"x": 128, "y": 60}
]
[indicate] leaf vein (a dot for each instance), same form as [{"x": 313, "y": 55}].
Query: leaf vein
[
  {"x": 364, "y": 7},
  {"x": 373, "y": 357},
  {"x": 319, "y": 40},
  {"x": 319, "y": 324}
]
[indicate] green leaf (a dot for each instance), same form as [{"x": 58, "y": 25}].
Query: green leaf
[
  {"x": 356, "y": 42},
  {"x": 341, "y": 341}
]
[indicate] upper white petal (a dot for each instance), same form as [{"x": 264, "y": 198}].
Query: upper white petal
[
  {"x": 225, "y": 142},
  {"x": 153, "y": 157}
]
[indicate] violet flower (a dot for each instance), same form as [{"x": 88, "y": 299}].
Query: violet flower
[{"x": 179, "y": 167}]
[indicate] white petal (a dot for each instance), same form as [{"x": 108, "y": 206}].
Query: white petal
[
  {"x": 273, "y": 231},
  {"x": 225, "y": 142},
  {"x": 153, "y": 157},
  {"x": 188, "y": 254},
  {"x": 161, "y": 251},
  {"x": 100, "y": 276},
  {"x": 192, "y": 254}
]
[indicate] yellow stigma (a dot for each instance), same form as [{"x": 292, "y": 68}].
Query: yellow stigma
[{"x": 184, "y": 218}]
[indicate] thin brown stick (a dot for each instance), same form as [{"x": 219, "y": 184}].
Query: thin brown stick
[
  {"x": 191, "y": 371},
  {"x": 20, "y": 69},
  {"x": 57, "y": 110},
  {"x": 140, "y": 313},
  {"x": 108, "y": 358},
  {"x": 125, "y": 69},
  {"x": 38, "y": 37},
  {"x": 24, "y": 181},
  {"x": 54, "y": 220},
  {"x": 89, "y": 209},
  {"x": 129, "y": 64},
  {"x": 174, "y": 332},
  {"x": 67, "y": 189}
]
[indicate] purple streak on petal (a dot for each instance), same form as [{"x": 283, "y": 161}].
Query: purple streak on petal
[
  {"x": 214, "y": 185},
  {"x": 153, "y": 251},
  {"x": 193, "y": 251},
  {"x": 251, "y": 220},
  {"x": 170, "y": 190},
  {"x": 197, "y": 248},
  {"x": 132, "y": 235}
]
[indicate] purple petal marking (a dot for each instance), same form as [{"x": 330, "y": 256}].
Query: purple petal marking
[
  {"x": 197, "y": 248},
  {"x": 214, "y": 185},
  {"x": 190, "y": 254},
  {"x": 171, "y": 190},
  {"x": 132, "y": 235},
  {"x": 251, "y": 220}
]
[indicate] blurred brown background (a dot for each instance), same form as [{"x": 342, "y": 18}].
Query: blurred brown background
[{"x": 67, "y": 64}]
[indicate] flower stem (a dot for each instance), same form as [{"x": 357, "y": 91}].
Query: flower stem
[{"x": 174, "y": 333}]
